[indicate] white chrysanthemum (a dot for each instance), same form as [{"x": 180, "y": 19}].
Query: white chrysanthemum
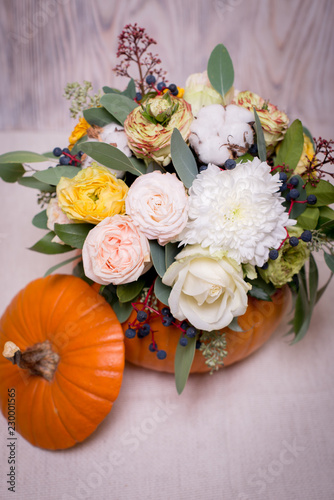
[
  {"x": 218, "y": 132},
  {"x": 237, "y": 211}
]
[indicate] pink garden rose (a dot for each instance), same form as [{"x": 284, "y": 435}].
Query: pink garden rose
[
  {"x": 116, "y": 252},
  {"x": 158, "y": 204}
]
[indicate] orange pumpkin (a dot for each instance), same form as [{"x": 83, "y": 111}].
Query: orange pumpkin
[
  {"x": 259, "y": 322},
  {"x": 72, "y": 359}
]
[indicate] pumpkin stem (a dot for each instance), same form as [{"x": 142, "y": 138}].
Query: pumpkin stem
[{"x": 39, "y": 359}]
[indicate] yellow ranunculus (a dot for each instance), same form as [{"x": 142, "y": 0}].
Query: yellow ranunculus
[
  {"x": 79, "y": 130},
  {"x": 306, "y": 156},
  {"x": 92, "y": 195}
]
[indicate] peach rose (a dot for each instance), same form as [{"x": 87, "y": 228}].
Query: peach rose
[
  {"x": 158, "y": 204},
  {"x": 116, "y": 252}
]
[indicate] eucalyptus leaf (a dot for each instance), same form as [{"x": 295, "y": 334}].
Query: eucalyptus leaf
[
  {"x": 329, "y": 259},
  {"x": 171, "y": 251},
  {"x": 158, "y": 257},
  {"x": 78, "y": 271},
  {"x": 323, "y": 289},
  {"x": 22, "y": 157},
  {"x": 323, "y": 190},
  {"x": 302, "y": 317},
  {"x": 122, "y": 310},
  {"x": 234, "y": 325},
  {"x": 34, "y": 183},
  {"x": 220, "y": 69},
  {"x": 11, "y": 172},
  {"x": 40, "y": 220},
  {"x": 261, "y": 143},
  {"x": 110, "y": 90},
  {"x": 119, "y": 106},
  {"x": 326, "y": 214},
  {"x": 309, "y": 135},
  {"x": 309, "y": 218},
  {"x": 183, "y": 159},
  {"x": 98, "y": 116},
  {"x": 130, "y": 291},
  {"x": 313, "y": 277},
  {"x": 161, "y": 291},
  {"x": 291, "y": 147},
  {"x": 130, "y": 90},
  {"x": 73, "y": 234},
  {"x": 52, "y": 175},
  {"x": 61, "y": 264},
  {"x": 184, "y": 357},
  {"x": 259, "y": 293},
  {"x": 45, "y": 245},
  {"x": 112, "y": 157},
  {"x": 77, "y": 146}
]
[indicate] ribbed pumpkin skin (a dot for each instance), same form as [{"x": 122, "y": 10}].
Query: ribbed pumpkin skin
[
  {"x": 259, "y": 322},
  {"x": 86, "y": 334}
]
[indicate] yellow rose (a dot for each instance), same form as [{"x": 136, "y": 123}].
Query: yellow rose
[
  {"x": 306, "y": 156},
  {"x": 79, "y": 130},
  {"x": 92, "y": 195}
]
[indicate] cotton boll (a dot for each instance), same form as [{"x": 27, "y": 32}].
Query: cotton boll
[
  {"x": 235, "y": 113},
  {"x": 240, "y": 134},
  {"x": 213, "y": 150}
]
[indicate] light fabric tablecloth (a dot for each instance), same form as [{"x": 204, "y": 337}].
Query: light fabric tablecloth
[{"x": 259, "y": 430}]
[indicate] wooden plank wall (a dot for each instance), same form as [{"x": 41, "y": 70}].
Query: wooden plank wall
[{"x": 281, "y": 49}]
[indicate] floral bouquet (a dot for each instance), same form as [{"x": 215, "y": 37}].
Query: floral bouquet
[{"x": 185, "y": 204}]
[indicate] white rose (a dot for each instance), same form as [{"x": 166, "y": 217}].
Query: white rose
[
  {"x": 55, "y": 215},
  {"x": 207, "y": 290},
  {"x": 158, "y": 205}
]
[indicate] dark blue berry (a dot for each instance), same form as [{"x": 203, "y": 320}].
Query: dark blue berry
[
  {"x": 141, "y": 316},
  {"x": 202, "y": 168},
  {"x": 253, "y": 149},
  {"x": 161, "y": 354},
  {"x": 311, "y": 199},
  {"x": 167, "y": 320},
  {"x": 293, "y": 241},
  {"x": 142, "y": 333},
  {"x": 283, "y": 177},
  {"x": 64, "y": 160},
  {"x": 138, "y": 96},
  {"x": 67, "y": 151},
  {"x": 294, "y": 194},
  {"x": 265, "y": 266},
  {"x": 165, "y": 311},
  {"x": 294, "y": 181},
  {"x": 152, "y": 347},
  {"x": 150, "y": 80},
  {"x": 273, "y": 254},
  {"x": 306, "y": 236},
  {"x": 57, "y": 151},
  {"x": 130, "y": 333},
  {"x": 191, "y": 331},
  {"x": 288, "y": 197},
  {"x": 161, "y": 86},
  {"x": 198, "y": 344},
  {"x": 79, "y": 154},
  {"x": 172, "y": 87},
  {"x": 146, "y": 328},
  {"x": 183, "y": 341},
  {"x": 184, "y": 325},
  {"x": 230, "y": 164},
  {"x": 283, "y": 187}
]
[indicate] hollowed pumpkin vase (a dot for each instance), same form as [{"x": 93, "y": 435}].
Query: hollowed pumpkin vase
[{"x": 258, "y": 324}]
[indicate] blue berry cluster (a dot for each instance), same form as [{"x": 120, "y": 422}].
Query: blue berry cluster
[
  {"x": 141, "y": 328},
  {"x": 65, "y": 157},
  {"x": 306, "y": 236},
  {"x": 150, "y": 80},
  {"x": 294, "y": 193}
]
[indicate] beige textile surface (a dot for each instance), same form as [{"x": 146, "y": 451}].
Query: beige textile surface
[{"x": 260, "y": 430}]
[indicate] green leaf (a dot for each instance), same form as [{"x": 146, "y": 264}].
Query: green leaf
[
  {"x": 130, "y": 291},
  {"x": 329, "y": 259},
  {"x": 130, "y": 90},
  {"x": 49, "y": 155},
  {"x": 183, "y": 159},
  {"x": 40, "y": 220},
  {"x": 34, "y": 183},
  {"x": 309, "y": 218},
  {"x": 220, "y": 69},
  {"x": 298, "y": 208},
  {"x": 78, "y": 271},
  {"x": 326, "y": 214},
  {"x": 138, "y": 165},
  {"x": 323, "y": 289},
  {"x": 61, "y": 264},
  {"x": 161, "y": 291},
  {"x": 259, "y": 293},
  {"x": 118, "y": 105},
  {"x": 309, "y": 135},
  {"x": 184, "y": 357},
  {"x": 45, "y": 245},
  {"x": 313, "y": 277},
  {"x": 234, "y": 325},
  {"x": 52, "y": 175},
  {"x": 112, "y": 157},
  {"x": 73, "y": 234},
  {"x": 11, "y": 172},
  {"x": 98, "y": 116},
  {"x": 302, "y": 318},
  {"x": 77, "y": 146},
  {"x": 244, "y": 158},
  {"x": 171, "y": 251},
  {"x": 261, "y": 143},
  {"x": 291, "y": 147},
  {"x": 158, "y": 257},
  {"x": 122, "y": 310},
  {"x": 324, "y": 192},
  {"x": 110, "y": 90},
  {"x": 22, "y": 157}
]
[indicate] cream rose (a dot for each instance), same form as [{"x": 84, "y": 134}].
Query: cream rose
[
  {"x": 55, "y": 215},
  {"x": 158, "y": 204},
  {"x": 116, "y": 252},
  {"x": 207, "y": 290}
]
